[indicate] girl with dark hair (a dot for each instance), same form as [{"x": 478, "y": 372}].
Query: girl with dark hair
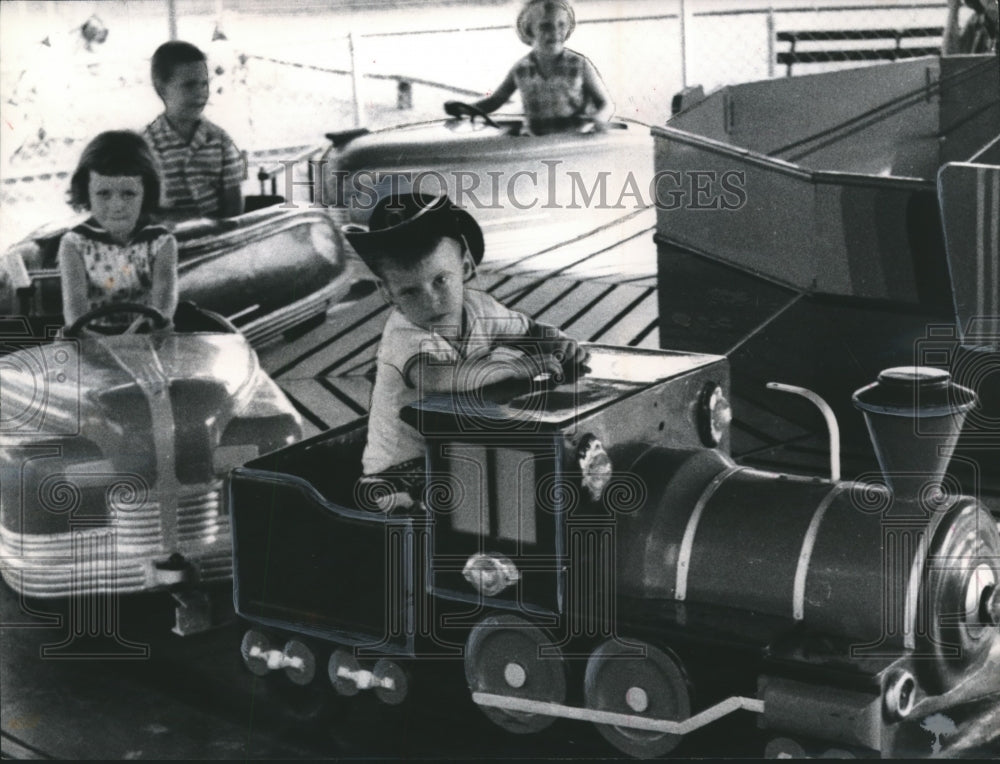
[{"x": 118, "y": 254}]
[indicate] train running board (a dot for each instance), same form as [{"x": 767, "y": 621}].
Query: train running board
[{"x": 668, "y": 726}]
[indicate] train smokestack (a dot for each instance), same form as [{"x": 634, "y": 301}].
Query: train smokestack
[{"x": 914, "y": 416}]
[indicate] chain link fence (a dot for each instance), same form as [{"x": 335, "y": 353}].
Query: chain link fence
[{"x": 284, "y": 74}]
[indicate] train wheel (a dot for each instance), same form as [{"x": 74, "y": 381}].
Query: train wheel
[
  {"x": 784, "y": 748},
  {"x": 390, "y": 670},
  {"x": 958, "y": 628},
  {"x": 255, "y": 645},
  {"x": 301, "y": 699},
  {"x": 305, "y": 669},
  {"x": 652, "y": 685},
  {"x": 507, "y": 655},
  {"x": 340, "y": 662}
]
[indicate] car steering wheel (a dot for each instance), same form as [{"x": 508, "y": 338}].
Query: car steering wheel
[
  {"x": 159, "y": 320},
  {"x": 462, "y": 109}
]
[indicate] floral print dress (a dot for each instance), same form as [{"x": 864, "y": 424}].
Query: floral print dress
[{"x": 116, "y": 273}]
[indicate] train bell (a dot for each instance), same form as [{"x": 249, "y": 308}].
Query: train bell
[{"x": 914, "y": 416}]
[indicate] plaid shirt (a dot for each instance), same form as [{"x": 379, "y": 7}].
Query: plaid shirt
[
  {"x": 196, "y": 174},
  {"x": 558, "y": 96}
]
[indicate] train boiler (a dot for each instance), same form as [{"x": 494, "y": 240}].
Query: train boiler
[{"x": 588, "y": 549}]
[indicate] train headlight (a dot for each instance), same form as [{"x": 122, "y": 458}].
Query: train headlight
[
  {"x": 595, "y": 466},
  {"x": 981, "y": 601},
  {"x": 991, "y": 606},
  {"x": 900, "y": 693},
  {"x": 714, "y": 414}
]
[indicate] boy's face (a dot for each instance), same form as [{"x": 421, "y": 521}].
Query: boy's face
[
  {"x": 185, "y": 94},
  {"x": 550, "y": 29},
  {"x": 429, "y": 292},
  {"x": 115, "y": 203}
]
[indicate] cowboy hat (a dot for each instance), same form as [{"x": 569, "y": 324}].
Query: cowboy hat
[{"x": 411, "y": 222}]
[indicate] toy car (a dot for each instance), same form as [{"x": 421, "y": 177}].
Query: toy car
[
  {"x": 266, "y": 271},
  {"x": 588, "y": 550},
  {"x": 527, "y": 192},
  {"x": 113, "y": 449}
]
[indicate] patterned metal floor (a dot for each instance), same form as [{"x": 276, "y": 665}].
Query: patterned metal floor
[{"x": 597, "y": 287}]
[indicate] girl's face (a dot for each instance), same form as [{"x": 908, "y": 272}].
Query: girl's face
[
  {"x": 429, "y": 292},
  {"x": 116, "y": 203},
  {"x": 550, "y": 30}
]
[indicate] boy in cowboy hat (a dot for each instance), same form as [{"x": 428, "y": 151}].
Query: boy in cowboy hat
[{"x": 442, "y": 335}]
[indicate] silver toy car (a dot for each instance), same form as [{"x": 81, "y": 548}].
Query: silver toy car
[{"x": 113, "y": 450}]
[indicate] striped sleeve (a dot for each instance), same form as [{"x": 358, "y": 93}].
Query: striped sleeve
[{"x": 233, "y": 171}]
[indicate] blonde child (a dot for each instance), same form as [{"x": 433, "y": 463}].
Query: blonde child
[
  {"x": 560, "y": 88},
  {"x": 118, "y": 254}
]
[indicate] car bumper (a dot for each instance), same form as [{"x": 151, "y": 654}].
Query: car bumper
[{"x": 126, "y": 556}]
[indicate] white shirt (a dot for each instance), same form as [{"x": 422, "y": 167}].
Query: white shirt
[{"x": 390, "y": 440}]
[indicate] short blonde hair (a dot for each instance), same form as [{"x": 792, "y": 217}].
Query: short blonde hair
[{"x": 533, "y": 8}]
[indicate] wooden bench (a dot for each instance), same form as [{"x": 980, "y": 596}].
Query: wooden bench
[{"x": 901, "y": 46}]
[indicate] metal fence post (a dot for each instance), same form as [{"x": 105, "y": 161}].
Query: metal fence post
[
  {"x": 770, "y": 42},
  {"x": 684, "y": 77},
  {"x": 172, "y": 19},
  {"x": 354, "y": 79}
]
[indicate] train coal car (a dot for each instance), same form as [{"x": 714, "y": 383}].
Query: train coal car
[{"x": 589, "y": 550}]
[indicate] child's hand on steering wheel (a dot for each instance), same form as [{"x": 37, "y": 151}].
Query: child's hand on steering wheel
[
  {"x": 575, "y": 356},
  {"x": 571, "y": 357}
]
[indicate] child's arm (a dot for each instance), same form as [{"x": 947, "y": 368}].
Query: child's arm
[
  {"x": 500, "y": 96},
  {"x": 550, "y": 349},
  {"x": 597, "y": 91},
  {"x": 74, "y": 279},
  {"x": 231, "y": 194},
  {"x": 563, "y": 349},
  {"x": 164, "y": 291},
  {"x": 231, "y": 204},
  {"x": 503, "y": 363}
]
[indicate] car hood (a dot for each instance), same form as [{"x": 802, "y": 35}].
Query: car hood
[
  {"x": 425, "y": 145},
  {"x": 44, "y": 390}
]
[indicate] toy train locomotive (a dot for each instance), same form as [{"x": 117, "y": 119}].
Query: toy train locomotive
[{"x": 589, "y": 550}]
